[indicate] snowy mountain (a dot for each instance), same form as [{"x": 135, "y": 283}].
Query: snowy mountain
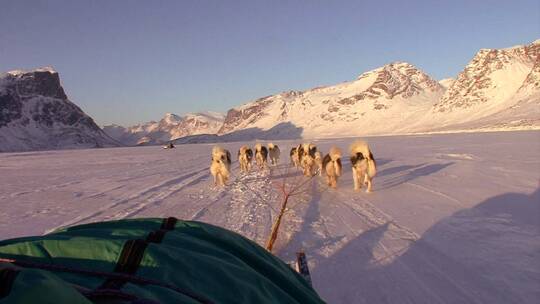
[
  {"x": 36, "y": 114},
  {"x": 498, "y": 89},
  {"x": 170, "y": 127},
  {"x": 490, "y": 90},
  {"x": 447, "y": 82},
  {"x": 379, "y": 101}
]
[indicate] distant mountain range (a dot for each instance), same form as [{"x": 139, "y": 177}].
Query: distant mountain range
[
  {"x": 169, "y": 127},
  {"x": 499, "y": 89}
]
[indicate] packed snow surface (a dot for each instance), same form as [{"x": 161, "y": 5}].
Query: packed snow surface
[{"x": 454, "y": 218}]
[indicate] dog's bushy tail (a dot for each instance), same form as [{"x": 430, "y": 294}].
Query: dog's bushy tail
[
  {"x": 335, "y": 153},
  {"x": 360, "y": 146},
  {"x": 335, "y": 156},
  {"x": 372, "y": 165}
]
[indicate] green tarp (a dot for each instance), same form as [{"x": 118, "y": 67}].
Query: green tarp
[{"x": 146, "y": 261}]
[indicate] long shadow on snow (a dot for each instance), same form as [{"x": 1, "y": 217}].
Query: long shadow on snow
[
  {"x": 398, "y": 169},
  {"x": 416, "y": 172},
  {"x": 486, "y": 254},
  {"x": 306, "y": 238}
]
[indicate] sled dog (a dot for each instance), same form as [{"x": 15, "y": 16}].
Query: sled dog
[
  {"x": 245, "y": 156},
  {"x": 273, "y": 153},
  {"x": 363, "y": 164},
  {"x": 306, "y": 155},
  {"x": 261, "y": 156},
  {"x": 331, "y": 165},
  {"x": 220, "y": 166}
]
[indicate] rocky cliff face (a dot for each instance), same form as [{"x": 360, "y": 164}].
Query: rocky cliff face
[
  {"x": 491, "y": 77},
  {"x": 35, "y": 113},
  {"x": 497, "y": 89}
]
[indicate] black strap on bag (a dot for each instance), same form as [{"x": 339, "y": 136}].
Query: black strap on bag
[
  {"x": 158, "y": 235},
  {"x": 112, "y": 275},
  {"x": 124, "y": 272},
  {"x": 133, "y": 252},
  {"x": 7, "y": 279}
]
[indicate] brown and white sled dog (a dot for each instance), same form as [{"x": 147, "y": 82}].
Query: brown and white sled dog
[
  {"x": 363, "y": 164},
  {"x": 295, "y": 161},
  {"x": 261, "y": 156},
  {"x": 221, "y": 164},
  {"x": 331, "y": 164},
  {"x": 245, "y": 156},
  {"x": 273, "y": 153},
  {"x": 306, "y": 155}
]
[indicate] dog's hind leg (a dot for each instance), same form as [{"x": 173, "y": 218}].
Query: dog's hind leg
[
  {"x": 367, "y": 180},
  {"x": 356, "y": 179},
  {"x": 220, "y": 179}
]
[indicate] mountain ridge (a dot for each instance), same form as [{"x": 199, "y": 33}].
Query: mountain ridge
[
  {"x": 497, "y": 89},
  {"x": 36, "y": 114},
  {"x": 170, "y": 127}
]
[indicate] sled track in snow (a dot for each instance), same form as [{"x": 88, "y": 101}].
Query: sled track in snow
[
  {"x": 396, "y": 240},
  {"x": 250, "y": 206},
  {"x": 141, "y": 200},
  {"x": 213, "y": 198},
  {"x": 245, "y": 204},
  {"x": 155, "y": 199}
]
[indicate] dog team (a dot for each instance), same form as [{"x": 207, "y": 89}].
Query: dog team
[{"x": 305, "y": 156}]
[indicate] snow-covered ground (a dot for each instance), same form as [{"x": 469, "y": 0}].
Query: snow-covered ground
[{"x": 454, "y": 218}]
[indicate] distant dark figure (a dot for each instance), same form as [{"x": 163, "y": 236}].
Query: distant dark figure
[{"x": 170, "y": 145}]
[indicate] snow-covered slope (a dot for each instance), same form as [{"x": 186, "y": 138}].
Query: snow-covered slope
[
  {"x": 379, "y": 101},
  {"x": 170, "y": 127},
  {"x": 452, "y": 219},
  {"x": 490, "y": 89},
  {"x": 35, "y": 114},
  {"x": 399, "y": 98},
  {"x": 447, "y": 82}
]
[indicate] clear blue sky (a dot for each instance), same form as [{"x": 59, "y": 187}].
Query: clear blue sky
[{"x": 131, "y": 61}]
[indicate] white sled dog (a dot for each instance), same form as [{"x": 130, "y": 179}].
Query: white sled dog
[
  {"x": 220, "y": 167},
  {"x": 261, "y": 156},
  {"x": 273, "y": 153},
  {"x": 295, "y": 161},
  {"x": 245, "y": 156},
  {"x": 306, "y": 155},
  {"x": 331, "y": 164},
  {"x": 363, "y": 164}
]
